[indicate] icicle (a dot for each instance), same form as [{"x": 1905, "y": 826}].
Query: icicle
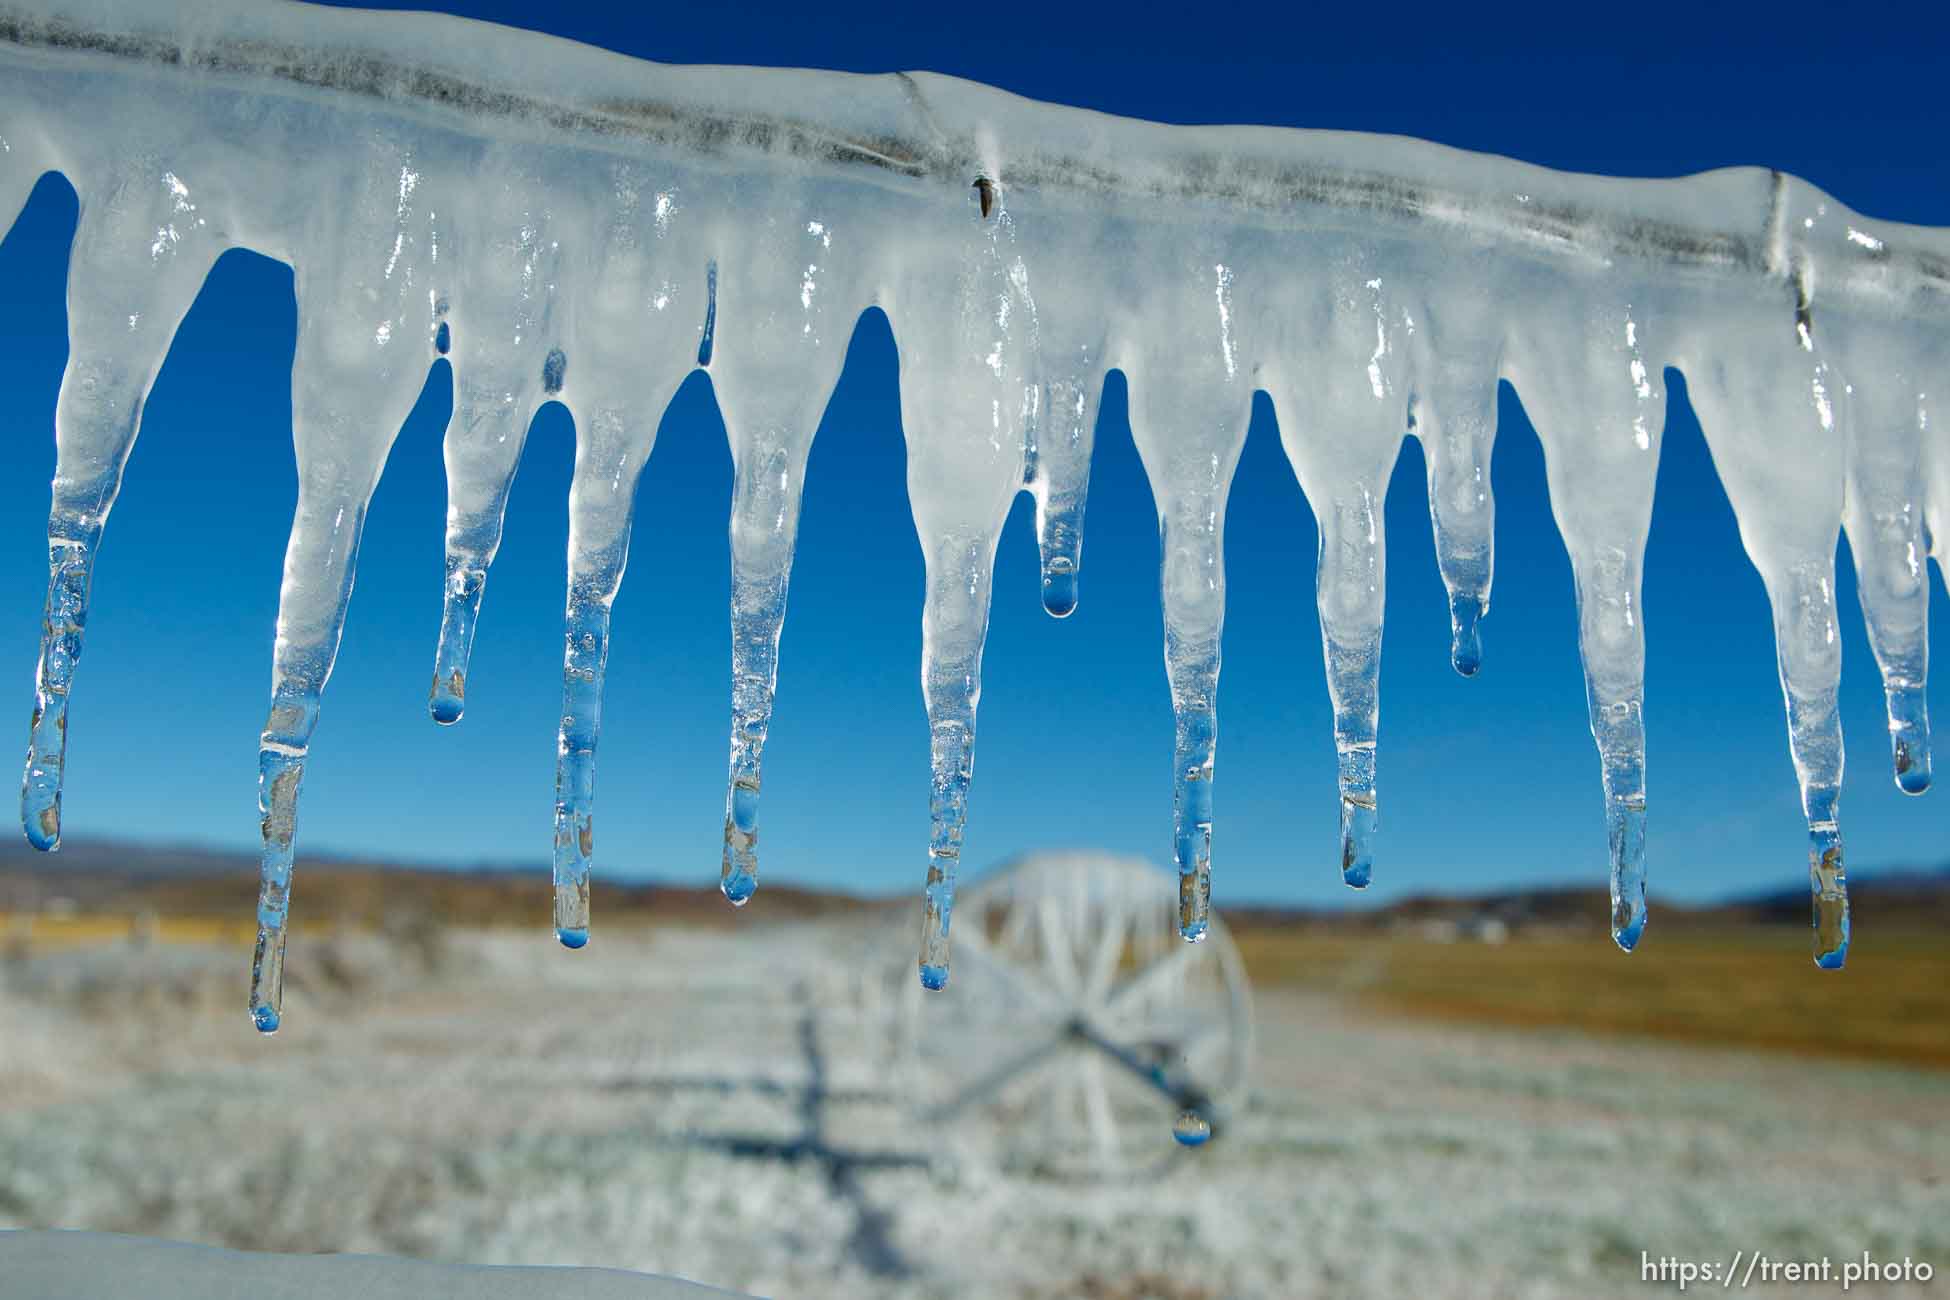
[
  {"x": 595, "y": 573},
  {"x": 1058, "y": 439},
  {"x": 1343, "y": 407},
  {"x": 1585, "y": 374},
  {"x": 501, "y": 343},
  {"x": 1453, "y": 415},
  {"x": 166, "y": 127},
  {"x": 354, "y": 379},
  {"x": 1810, "y": 655},
  {"x": 141, "y": 252},
  {"x": 633, "y": 333},
  {"x": 612, "y": 445},
  {"x": 1888, "y": 427},
  {"x": 966, "y": 379},
  {"x": 1770, "y": 406},
  {"x": 953, "y": 628},
  {"x": 782, "y": 311},
  {"x": 334, "y": 484},
  {"x": 1191, "y": 402}
]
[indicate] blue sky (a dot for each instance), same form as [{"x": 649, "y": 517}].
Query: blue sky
[{"x": 1484, "y": 783}]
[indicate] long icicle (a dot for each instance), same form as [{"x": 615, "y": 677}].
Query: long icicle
[
  {"x": 1888, "y": 429},
  {"x": 634, "y": 343},
  {"x": 1058, "y": 439},
  {"x": 769, "y": 474},
  {"x": 1190, "y": 409},
  {"x": 318, "y": 571},
  {"x": 613, "y": 443},
  {"x": 1810, "y": 657},
  {"x": 1351, "y": 580},
  {"x": 1773, "y": 430},
  {"x": 1342, "y": 419},
  {"x": 1583, "y": 373},
  {"x": 954, "y": 626},
  {"x": 788, "y": 304},
  {"x": 136, "y": 266},
  {"x": 505, "y": 364},
  {"x": 1454, "y": 418},
  {"x": 493, "y": 409},
  {"x": 353, "y": 384},
  {"x": 968, "y": 385},
  {"x": 595, "y": 573}
]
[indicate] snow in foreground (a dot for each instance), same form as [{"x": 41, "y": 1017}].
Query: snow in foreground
[{"x": 62, "y": 1265}]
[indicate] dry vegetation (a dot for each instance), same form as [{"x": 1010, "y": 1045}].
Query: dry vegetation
[
  {"x": 1731, "y": 985},
  {"x": 1737, "y": 976}
]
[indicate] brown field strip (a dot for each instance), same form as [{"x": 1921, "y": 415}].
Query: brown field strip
[{"x": 1746, "y": 987}]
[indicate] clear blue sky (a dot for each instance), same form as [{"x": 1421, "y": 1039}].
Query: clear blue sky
[{"x": 1484, "y": 783}]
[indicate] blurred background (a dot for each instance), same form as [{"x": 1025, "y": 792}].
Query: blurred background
[{"x": 1452, "y": 1084}]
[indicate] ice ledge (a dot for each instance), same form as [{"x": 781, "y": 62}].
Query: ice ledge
[
  {"x": 908, "y": 130},
  {"x": 88, "y": 1265}
]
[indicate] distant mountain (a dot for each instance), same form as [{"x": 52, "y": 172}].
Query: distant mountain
[
  {"x": 118, "y": 876},
  {"x": 1914, "y": 896},
  {"x": 107, "y": 875}
]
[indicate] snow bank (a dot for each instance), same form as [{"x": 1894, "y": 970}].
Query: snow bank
[{"x": 71, "y": 1265}]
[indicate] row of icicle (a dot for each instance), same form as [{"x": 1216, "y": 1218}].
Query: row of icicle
[{"x": 489, "y": 427}]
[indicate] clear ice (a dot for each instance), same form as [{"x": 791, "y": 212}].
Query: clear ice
[{"x": 565, "y": 224}]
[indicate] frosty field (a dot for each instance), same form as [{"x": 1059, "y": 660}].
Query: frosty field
[{"x": 480, "y": 1095}]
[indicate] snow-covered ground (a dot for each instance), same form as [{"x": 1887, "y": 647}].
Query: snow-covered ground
[{"x": 647, "y": 1104}]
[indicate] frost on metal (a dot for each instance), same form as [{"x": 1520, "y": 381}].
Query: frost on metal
[{"x": 566, "y": 223}]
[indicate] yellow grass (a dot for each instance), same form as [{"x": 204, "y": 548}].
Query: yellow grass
[
  {"x": 1746, "y": 986},
  {"x": 49, "y": 932},
  {"x": 1741, "y": 986}
]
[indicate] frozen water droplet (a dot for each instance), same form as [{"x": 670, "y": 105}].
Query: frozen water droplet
[
  {"x": 449, "y": 698},
  {"x": 443, "y": 339},
  {"x": 1359, "y": 822},
  {"x": 934, "y": 978},
  {"x": 572, "y": 938},
  {"x": 265, "y": 1018},
  {"x": 555, "y": 370},
  {"x": 1191, "y": 1129},
  {"x": 1060, "y": 587}
]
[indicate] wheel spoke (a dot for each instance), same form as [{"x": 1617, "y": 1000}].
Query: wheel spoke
[
  {"x": 1156, "y": 977},
  {"x": 1059, "y": 1108},
  {"x": 973, "y": 948},
  {"x": 1112, "y": 930},
  {"x": 1172, "y": 1083},
  {"x": 989, "y": 1085},
  {"x": 1057, "y": 952},
  {"x": 1096, "y": 1098}
]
